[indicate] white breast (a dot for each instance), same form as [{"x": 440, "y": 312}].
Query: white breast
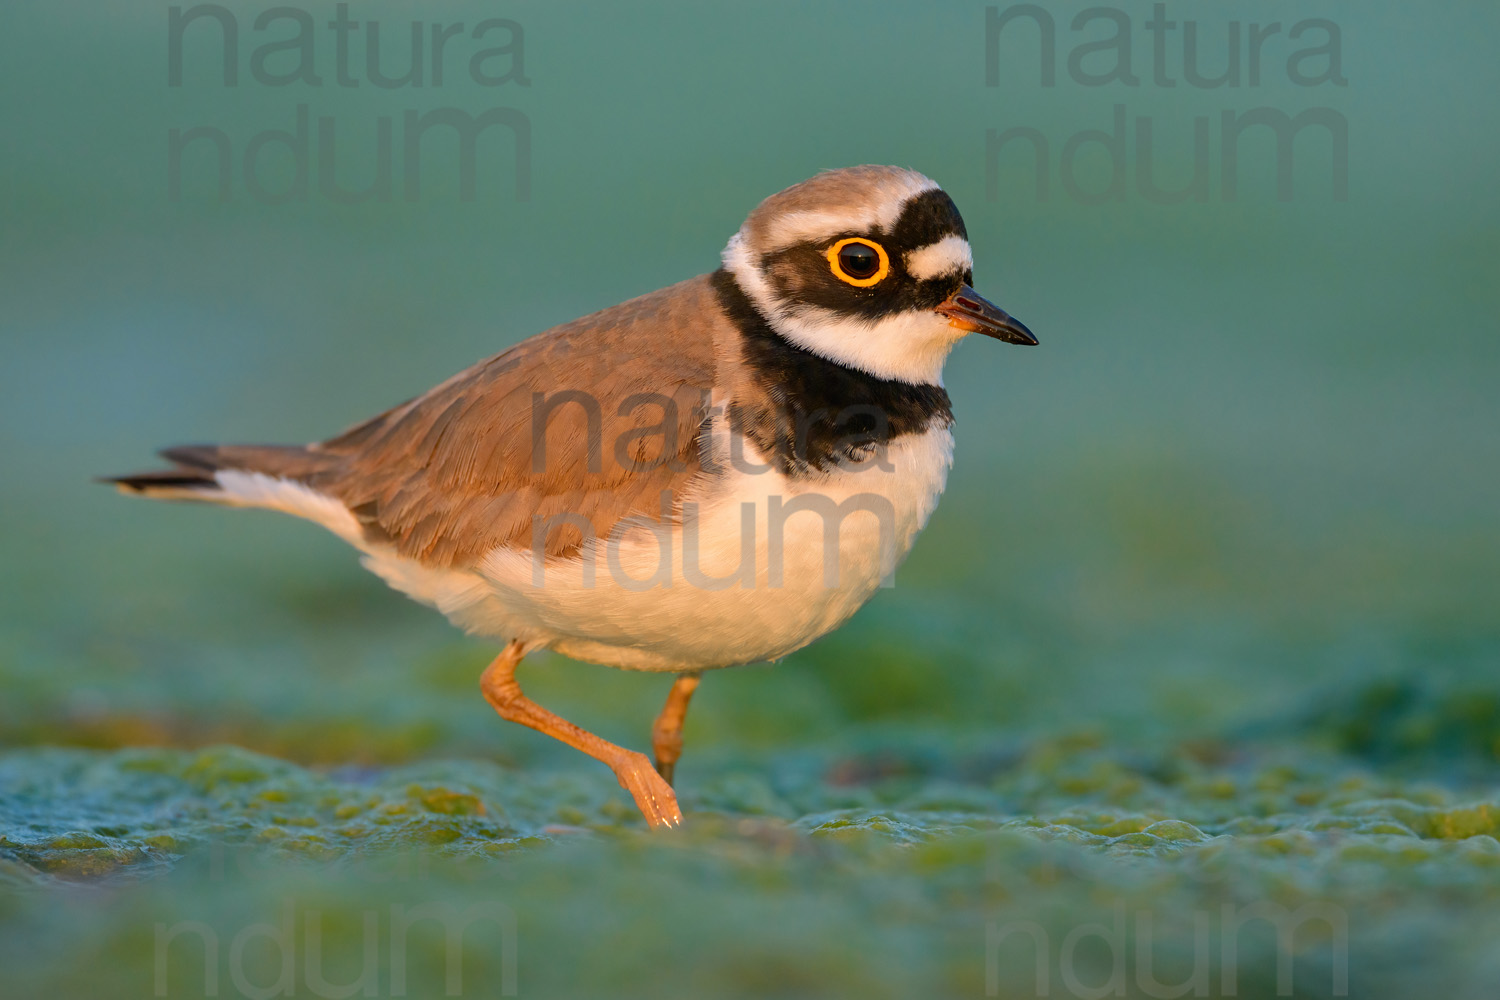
[{"x": 759, "y": 566}]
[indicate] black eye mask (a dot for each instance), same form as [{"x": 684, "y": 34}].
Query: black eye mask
[{"x": 802, "y": 273}]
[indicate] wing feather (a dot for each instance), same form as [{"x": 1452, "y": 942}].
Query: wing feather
[{"x": 599, "y": 418}]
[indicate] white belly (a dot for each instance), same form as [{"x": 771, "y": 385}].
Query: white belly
[{"x": 760, "y": 567}]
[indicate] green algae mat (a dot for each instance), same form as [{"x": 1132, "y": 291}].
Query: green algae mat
[{"x": 899, "y": 867}]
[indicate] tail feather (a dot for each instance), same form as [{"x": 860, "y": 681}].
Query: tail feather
[
  {"x": 195, "y": 468},
  {"x": 175, "y": 480},
  {"x": 195, "y": 456}
]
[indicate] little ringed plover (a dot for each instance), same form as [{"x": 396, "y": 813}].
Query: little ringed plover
[{"x": 712, "y": 474}]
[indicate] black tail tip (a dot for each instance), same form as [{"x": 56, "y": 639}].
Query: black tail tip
[
  {"x": 167, "y": 479},
  {"x": 193, "y": 468}
]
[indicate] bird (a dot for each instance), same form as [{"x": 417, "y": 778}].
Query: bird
[{"x": 712, "y": 474}]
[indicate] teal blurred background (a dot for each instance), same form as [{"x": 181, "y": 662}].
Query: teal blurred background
[{"x": 1236, "y": 514}]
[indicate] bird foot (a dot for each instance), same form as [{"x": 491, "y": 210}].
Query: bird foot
[{"x": 653, "y": 796}]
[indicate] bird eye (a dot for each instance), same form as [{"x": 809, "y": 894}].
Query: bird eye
[{"x": 858, "y": 262}]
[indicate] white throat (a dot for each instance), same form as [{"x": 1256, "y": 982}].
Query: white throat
[{"x": 908, "y": 347}]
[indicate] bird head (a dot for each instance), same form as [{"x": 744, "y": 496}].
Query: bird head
[{"x": 869, "y": 267}]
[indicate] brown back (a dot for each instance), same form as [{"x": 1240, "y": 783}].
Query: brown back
[{"x": 598, "y": 418}]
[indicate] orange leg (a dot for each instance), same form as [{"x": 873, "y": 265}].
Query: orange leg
[
  {"x": 666, "y": 734},
  {"x": 652, "y": 795}
]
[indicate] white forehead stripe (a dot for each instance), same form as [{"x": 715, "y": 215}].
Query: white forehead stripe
[
  {"x": 949, "y": 255},
  {"x": 880, "y": 212}
]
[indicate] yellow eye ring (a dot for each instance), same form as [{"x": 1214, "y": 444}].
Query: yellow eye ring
[{"x": 865, "y": 282}]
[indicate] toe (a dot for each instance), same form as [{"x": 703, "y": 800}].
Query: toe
[{"x": 653, "y": 796}]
